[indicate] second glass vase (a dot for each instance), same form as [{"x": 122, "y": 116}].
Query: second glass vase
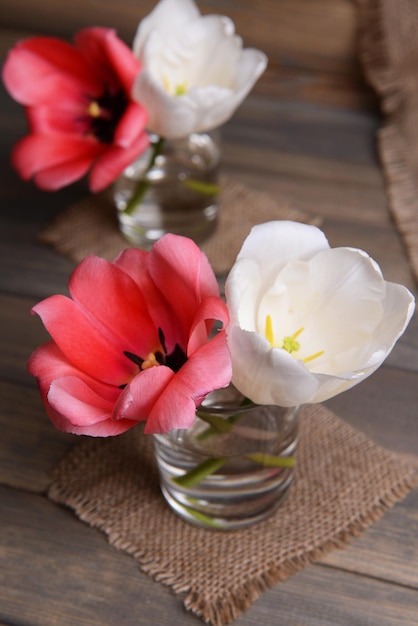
[{"x": 173, "y": 187}]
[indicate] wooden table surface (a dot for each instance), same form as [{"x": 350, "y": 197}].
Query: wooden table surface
[{"x": 320, "y": 157}]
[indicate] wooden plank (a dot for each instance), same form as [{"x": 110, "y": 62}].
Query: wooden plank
[
  {"x": 57, "y": 570},
  {"x": 381, "y": 241},
  {"x": 405, "y": 355},
  {"x": 73, "y": 576},
  {"x": 21, "y": 274},
  {"x": 326, "y": 597},
  {"x": 20, "y": 334},
  {"x": 337, "y": 89},
  {"x": 384, "y": 407},
  {"x": 283, "y": 82},
  {"x": 318, "y": 34},
  {"x": 271, "y": 162},
  {"x": 30, "y": 446},
  {"x": 388, "y": 550},
  {"x": 299, "y": 127},
  {"x": 312, "y": 193}
]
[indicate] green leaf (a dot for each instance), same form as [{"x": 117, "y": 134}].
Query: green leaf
[{"x": 198, "y": 473}]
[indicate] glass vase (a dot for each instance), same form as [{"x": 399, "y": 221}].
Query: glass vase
[
  {"x": 173, "y": 187},
  {"x": 233, "y": 466}
]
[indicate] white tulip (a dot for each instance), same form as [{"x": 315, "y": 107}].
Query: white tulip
[
  {"x": 195, "y": 70},
  {"x": 308, "y": 321}
]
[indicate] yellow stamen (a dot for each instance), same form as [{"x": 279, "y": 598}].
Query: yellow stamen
[
  {"x": 180, "y": 89},
  {"x": 269, "y": 331},
  {"x": 94, "y": 109},
  {"x": 313, "y": 356},
  {"x": 297, "y": 333},
  {"x": 289, "y": 343},
  {"x": 150, "y": 361},
  {"x": 166, "y": 83}
]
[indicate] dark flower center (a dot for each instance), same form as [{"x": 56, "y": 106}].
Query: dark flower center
[
  {"x": 175, "y": 360},
  {"x": 105, "y": 113}
]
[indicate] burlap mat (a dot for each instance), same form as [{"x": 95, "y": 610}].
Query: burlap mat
[
  {"x": 90, "y": 226},
  {"x": 389, "y": 51},
  {"x": 344, "y": 482}
]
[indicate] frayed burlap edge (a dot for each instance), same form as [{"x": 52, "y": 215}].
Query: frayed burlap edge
[
  {"x": 230, "y": 607},
  {"x": 402, "y": 184},
  {"x": 402, "y": 190},
  {"x": 230, "y": 603}
]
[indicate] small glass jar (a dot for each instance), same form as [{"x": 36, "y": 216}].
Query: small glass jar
[
  {"x": 172, "y": 187},
  {"x": 233, "y": 466}
]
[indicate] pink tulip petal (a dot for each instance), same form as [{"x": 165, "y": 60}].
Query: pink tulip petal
[
  {"x": 210, "y": 310},
  {"x": 48, "y": 363},
  {"x": 42, "y": 69},
  {"x": 113, "y": 161},
  {"x": 105, "y": 50},
  {"x": 108, "y": 428},
  {"x": 60, "y": 176},
  {"x": 68, "y": 117},
  {"x": 168, "y": 400},
  {"x": 135, "y": 263},
  {"x": 84, "y": 341},
  {"x": 208, "y": 368},
  {"x": 105, "y": 292},
  {"x": 42, "y": 152},
  {"x": 191, "y": 277},
  {"x": 142, "y": 393},
  {"x": 131, "y": 126},
  {"x": 104, "y": 428},
  {"x": 80, "y": 405},
  {"x": 58, "y": 82}
]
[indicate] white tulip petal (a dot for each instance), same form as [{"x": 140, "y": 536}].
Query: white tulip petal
[
  {"x": 167, "y": 17},
  {"x": 398, "y": 309},
  {"x": 195, "y": 71},
  {"x": 324, "y": 295},
  {"x": 203, "y": 53},
  {"x": 332, "y": 318},
  {"x": 168, "y": 117},
  {"x": 272, "y": 244},
  {"x": 251, "y": 65},
  {"x": 255, "y": 367},
  {"x": 213, "y": 51},
  {"x": 243, "y": 293}
]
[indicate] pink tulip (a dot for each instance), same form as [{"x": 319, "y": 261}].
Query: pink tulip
[
  {"x": 133, "y": 342},
  {"x": 79, "y": 108}
]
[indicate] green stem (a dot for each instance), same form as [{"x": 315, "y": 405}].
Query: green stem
[
  {"x": 200, "y": 517},
  {"x": 198, "y": 473},
  {"x": 268, "y": 460},
  {"x": 143, "y": 183},
  {"x": 218, "y": 424},
  {"x": 207, "y": 189},
  {"x": 211, "y": 465}
]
